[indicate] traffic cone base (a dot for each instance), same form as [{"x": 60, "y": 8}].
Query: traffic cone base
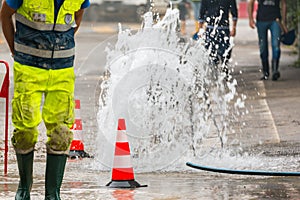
[
  {"x": 79, "y": 154},
  {"x": 124, "y": 184}
]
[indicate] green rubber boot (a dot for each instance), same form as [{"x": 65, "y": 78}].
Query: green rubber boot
[
  {"x": 25, "y": 166},
  {"x": 55, "y": 169}
]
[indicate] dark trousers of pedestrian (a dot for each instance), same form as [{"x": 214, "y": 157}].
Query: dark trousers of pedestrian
[{"x": 262, "y": 29}]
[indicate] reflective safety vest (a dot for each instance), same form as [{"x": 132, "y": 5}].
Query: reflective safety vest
[{"x": 42, "y": 39}]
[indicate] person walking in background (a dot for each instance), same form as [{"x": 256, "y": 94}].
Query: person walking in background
[
  {"x": 215, "y": 13},
  {"x": 196, "y": 4},
  {"x": 42, "y": 45},
  {"x": 183, "y": 8},
  {"x": 270, "y": 16}
]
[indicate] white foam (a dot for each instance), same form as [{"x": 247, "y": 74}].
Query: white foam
[{"x": 175, "y": 104}]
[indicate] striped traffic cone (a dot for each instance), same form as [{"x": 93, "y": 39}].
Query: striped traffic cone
[
  {"x": 122, "y": 172},
  {"x": 77, "y": 146}
]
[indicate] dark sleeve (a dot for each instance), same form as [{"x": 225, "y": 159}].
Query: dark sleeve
[
  {"x": 14, "y": 4},
  {"x": 233, "y": 10},
  {"x": 202, "y": 11},
  {"x": 85, "y": 4}
]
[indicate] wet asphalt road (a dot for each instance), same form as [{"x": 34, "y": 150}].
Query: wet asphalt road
[{"x": 272, "y": 129}]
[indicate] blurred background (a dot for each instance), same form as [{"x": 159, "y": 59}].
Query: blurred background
[
  {"x": 123, "y": 10},
  {"x": 132, "y": 11}
]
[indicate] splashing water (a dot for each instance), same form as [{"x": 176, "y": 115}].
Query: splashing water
[{"x": 176, "y": 105}]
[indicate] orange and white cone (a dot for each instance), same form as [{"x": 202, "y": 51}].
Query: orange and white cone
[
  {"x": 122, "y": 172},
  {"x": 77, "y": 146}
]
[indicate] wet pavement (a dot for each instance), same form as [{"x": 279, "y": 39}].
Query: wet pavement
[{"x": 271, "y": 128}]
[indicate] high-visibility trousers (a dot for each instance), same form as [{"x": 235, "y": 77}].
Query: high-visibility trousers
[{"x": 51, "y": 90}]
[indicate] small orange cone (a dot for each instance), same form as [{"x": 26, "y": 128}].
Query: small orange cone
[
  {"x": 122, "y": 172},
  {"x": 77, "y": 146}
]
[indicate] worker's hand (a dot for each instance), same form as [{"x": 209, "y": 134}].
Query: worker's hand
[
  {"x": 252, "y": 23},
  {"x": 285, "y": 29},
  {"x": 233, "y": 32}
]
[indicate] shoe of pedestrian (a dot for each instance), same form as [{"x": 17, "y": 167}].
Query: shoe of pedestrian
[
  {"x": 265, "y": 69},
  {"x": 275, "y": 76},
  {"x": 275, "y": 67},
  {"x": 265, "y": 77}
]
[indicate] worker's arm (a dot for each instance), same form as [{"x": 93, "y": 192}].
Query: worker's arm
[
  {"x": 233, "y": 28},
  {"x": 234, "y": 14},
  {"x": 8, "y": 28},
  {"x": 250, "y": 13},
  {"x": 78, "y": 18}
]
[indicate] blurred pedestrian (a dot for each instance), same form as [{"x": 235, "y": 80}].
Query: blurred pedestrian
[
  {"x": 215, "y": 14},
  {"x": 196, "y": 4},
  {"x": 183, "y": 7},
  {"x": 42, "y": 44},
  {"x": 271, "y": 16}
]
